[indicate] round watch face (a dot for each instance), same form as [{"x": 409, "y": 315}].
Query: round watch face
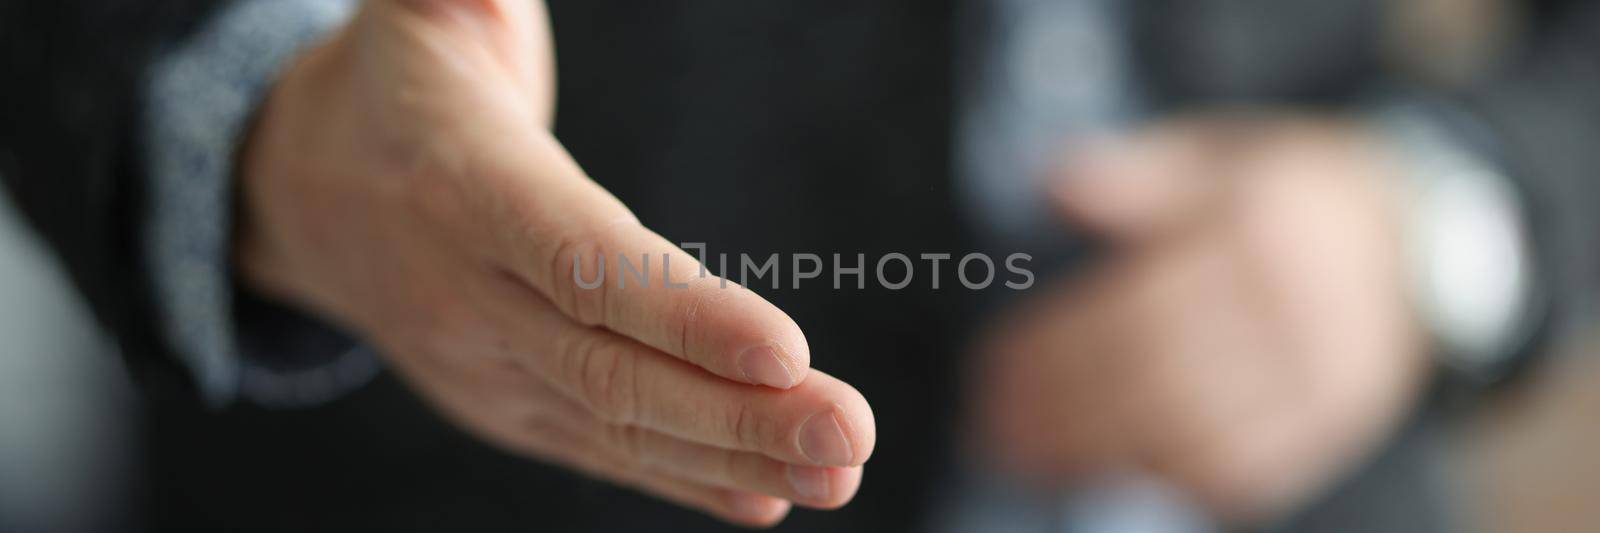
[
  {"x": 1467, "y": 252},
  {"x": 1473, "y": 264}
]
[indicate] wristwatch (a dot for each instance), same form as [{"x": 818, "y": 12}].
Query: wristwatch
[{"x": 1469, "y": 249}]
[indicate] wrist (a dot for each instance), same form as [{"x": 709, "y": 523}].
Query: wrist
[{"x": 277, "y": 159}]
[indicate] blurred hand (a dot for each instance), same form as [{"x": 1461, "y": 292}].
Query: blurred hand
[
  {"x": 403, "y": 182},
  {"x": 1245, "y": 338}
]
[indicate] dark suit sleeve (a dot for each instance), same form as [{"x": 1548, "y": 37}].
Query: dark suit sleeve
[
  {"x": 67, "y": 149},
  {"x": 120, "y": 126}
]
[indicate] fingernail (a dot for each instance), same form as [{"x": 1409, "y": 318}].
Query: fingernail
[
  {"x": 809, "y": 482},
  {"x": 762, "y": 367},
  {"x": 822, "y": 440}
]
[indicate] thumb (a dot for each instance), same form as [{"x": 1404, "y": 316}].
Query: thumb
[{"x": 1135, "y": 186}]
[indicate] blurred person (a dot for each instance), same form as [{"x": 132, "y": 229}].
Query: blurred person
[
  {"x": 268, "y": 201},
  {"x": 1296, "y": 243}
]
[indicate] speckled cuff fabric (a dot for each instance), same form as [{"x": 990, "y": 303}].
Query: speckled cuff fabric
[{"x": 198, "y": 98}]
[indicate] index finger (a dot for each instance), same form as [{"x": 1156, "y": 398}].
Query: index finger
[{"x": 568, "y": 238}]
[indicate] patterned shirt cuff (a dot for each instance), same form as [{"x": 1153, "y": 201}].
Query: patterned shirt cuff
[{"x": 198, "y": 101}]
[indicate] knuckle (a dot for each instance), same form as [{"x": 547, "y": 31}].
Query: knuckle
[
  {"x": 730, "y": 467},
  {"x": 628, "y": 444},
  {"x": 435, "y": 188},
  {"x": 572, "y": 257},
  {"x": 604, "y": 375},
  {"x": 747, "y": 427},
  {"x": 688, "y": 318}
]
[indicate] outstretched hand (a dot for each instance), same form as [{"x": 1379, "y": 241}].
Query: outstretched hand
[{"x": 402, "y": 181}]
